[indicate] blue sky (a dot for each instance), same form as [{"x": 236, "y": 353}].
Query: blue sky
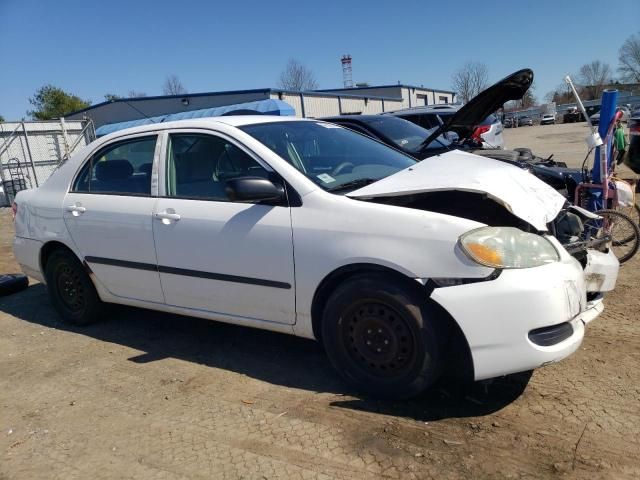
[{"x": 91, "y": 48}]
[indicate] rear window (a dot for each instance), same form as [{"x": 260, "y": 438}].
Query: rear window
[{"x": 425, "y": 120}]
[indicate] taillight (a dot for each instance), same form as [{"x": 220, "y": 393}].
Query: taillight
[
  {"x": 479, "y": 131},
  {"x": 14, "y": 209}
]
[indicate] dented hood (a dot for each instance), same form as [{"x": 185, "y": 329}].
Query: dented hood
[{"x": 520, "y": 192}]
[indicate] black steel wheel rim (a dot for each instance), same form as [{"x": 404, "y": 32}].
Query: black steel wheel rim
[
  {"x": 70, "y": 288},
  {"x": 378, "y": 340}
]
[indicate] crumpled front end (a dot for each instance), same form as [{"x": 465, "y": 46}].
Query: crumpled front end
[
  {"x": 599, "y": 264},
  {"x": 524, "y": 319}
]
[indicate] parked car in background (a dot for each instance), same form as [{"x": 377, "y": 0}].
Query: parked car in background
[
  {"x": 591, "y": 109},
  {"x": 626, "y": 114},
  {"x": 484, "y": 127},
  {"x": 508, "y": 122},
  {"x": 397, "y": 133},
  {"x": 525, "y": 121},
  {"x": 573, "y": 115},
  {"x": 402, "y": 268},
  {"x": 548, "y": 119}
]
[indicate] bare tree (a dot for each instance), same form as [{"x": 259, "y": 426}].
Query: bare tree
[
  {"x": 629, "y": 58},
  {"x": 561, "y": 94},
  {"x": 470, "y": 80},
  {"x": 529, "y": 99},
  {"x": 173, "y": 86},
  {"x": 550, "y": 96},
  {"x": 296, "y": 76},
  {"x": 594, "y": 76},
  {"x": 135, "y": 94}
]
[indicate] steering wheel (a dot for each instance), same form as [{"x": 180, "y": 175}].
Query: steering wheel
[{"x": 343, "y": 166}]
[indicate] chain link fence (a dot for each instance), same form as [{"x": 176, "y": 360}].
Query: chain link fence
[{"x": 31, "y": 151}]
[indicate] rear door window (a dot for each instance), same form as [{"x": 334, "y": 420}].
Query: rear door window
[{"x": 122, "y": 168}]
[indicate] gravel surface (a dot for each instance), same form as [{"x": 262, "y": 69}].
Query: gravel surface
[
  {"x": 565, "y": 141},
  {"x": 149, "y": 395}
]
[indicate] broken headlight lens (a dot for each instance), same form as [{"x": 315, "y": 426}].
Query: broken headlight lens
[{"x": 507, "y": 247}]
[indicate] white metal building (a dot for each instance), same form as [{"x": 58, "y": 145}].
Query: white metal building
[
  {"x": 312, "y": 104},
  {"x": 411, "y": 95}
]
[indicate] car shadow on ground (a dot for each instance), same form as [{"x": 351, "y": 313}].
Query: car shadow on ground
[{"x": 271, "y": 357}]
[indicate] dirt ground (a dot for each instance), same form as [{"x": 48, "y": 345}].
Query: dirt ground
[
  {"x": 148, "y": 395},
  {"x": 565, "y": 141}
]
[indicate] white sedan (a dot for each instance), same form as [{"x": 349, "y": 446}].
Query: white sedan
[{"x": 402, "y": 270}]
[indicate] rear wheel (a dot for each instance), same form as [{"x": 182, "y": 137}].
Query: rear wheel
[
  {"x": 382, "y": 337},
  {"x": 70, "y": 289}
]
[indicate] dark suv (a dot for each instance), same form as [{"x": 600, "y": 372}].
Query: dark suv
[{"x": 487, "y": 131}]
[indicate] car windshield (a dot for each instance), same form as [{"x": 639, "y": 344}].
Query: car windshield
[
  {"x": 335, "y": 158},
  {"x": 405, "y": 134}
]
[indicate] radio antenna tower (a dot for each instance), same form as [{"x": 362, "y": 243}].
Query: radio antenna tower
[{"x": 346, "y": 71}]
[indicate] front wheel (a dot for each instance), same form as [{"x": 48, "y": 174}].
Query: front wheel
[
  {"x": 70, "y": 289},
  {"x": 382, "y": 337}
]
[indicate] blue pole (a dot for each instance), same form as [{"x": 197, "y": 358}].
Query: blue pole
[{"x": 607, "y": 111}]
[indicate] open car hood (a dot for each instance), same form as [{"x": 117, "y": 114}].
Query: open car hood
[
  {"x": 512, "y": 87},
  {"x": 521, "y": 193}
]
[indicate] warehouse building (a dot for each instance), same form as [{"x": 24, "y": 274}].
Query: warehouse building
[
  {"x": 411, "y": 95},
  {"x": 305, "y": 104},
  {"x": 312, "y": 104}
]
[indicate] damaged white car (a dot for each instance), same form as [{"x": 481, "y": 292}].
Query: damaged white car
[{"x": 403, "y": 270}]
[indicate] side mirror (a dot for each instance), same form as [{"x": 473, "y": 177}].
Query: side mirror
[
  {"x": 453, "y": 137},
  {"x": 253, "y": 189}
]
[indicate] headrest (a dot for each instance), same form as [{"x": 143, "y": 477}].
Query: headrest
[
  {"x": 195, "y": 166},
  {"x": 110, "y": 170}
]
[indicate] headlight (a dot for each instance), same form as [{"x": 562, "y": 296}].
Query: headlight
[{"x": 507, "y": 247}]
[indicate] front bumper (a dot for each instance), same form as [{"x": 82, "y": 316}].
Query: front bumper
[
  {"x": 497, "y": 316},
  {"x": 601, "y": 271}
]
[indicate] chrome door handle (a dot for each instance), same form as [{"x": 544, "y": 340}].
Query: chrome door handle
[
  {"x": 76, "y": 210},
  {"x": 168, "y": 216}
]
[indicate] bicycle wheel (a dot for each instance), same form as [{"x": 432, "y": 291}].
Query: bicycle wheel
[
  {"x": 632, "y": 212},
  {"x": 624, "y": 232}
]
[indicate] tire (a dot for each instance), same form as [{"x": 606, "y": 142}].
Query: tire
[
  {"x": 633, "y": 213},
  {"x": 625, "y": 234},
  {"x": 382, "y": 337},
  {"x": 70, "y": 289},
  {"x": 12, "y": 283}
]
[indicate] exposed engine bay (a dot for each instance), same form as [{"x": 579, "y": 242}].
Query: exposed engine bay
[{"x": 568, "y": 226}]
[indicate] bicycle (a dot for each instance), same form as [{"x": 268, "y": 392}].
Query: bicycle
[{"x": 615, "y": 224}]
